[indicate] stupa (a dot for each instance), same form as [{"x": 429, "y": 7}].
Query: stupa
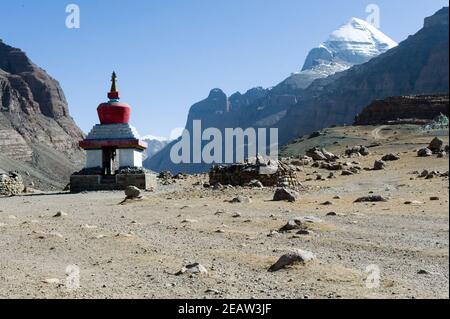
[{"x": 114, "y": 151}]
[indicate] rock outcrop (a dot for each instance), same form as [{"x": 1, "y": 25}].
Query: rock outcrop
[
  {"x": 36, "y": 129},
  {"x": 402, "y": 109},
  {"x": 10, "y": 184}
]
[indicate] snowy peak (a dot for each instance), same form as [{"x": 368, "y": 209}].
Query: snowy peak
[{"x": 355, "y": 42}]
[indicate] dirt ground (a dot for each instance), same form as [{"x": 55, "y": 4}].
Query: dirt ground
[{"x": 133, "y": 250}]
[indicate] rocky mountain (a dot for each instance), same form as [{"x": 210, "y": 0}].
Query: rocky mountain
[
  {"x": 355, "y": 42},
  {"x": 37, "y": 135},
  {"x": 403, "y": 109},
  {"x": 155, "y": 145},
  {"x": 419, "y": 65}
]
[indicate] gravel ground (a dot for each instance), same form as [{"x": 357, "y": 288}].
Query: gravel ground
[{"x": 135, "y": 249}]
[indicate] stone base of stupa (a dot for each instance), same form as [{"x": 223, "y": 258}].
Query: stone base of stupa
[{"x": 88, "y": 180}]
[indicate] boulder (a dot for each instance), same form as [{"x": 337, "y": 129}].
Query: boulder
[
  {"x": 373, "y": 198},
  {"x": 293, "y": 224},
  {"x": 286, "y": 194},
  {"x": 291, "y": 258},
  {"x": 390, "y": 157},
  {"x": 379, "y": 165},
  {"x": 132, "y": 192},
  {"x": 436, "y": 145},
  {"x": 316, "y": 154},
  {"x": 424, "y": 152},
  {"x": 194, "y": 268}
]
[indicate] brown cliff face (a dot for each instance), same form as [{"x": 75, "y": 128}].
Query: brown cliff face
[
  {"x": 422, "y": 107},
  {"x": 35, "y": 126}
]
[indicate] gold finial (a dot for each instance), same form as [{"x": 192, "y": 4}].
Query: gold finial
[{"x": 113, "y": 80}]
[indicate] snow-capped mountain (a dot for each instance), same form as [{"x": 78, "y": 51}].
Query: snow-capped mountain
[
  {"x": 355, "y": 42},
  {"x": 155, "y": 144}
]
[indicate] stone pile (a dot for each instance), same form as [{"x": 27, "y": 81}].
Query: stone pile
[
  {"x": 357, "y": 151},
  {"x": 11, "y": 184},
  {"x": 246, "y": 174}
]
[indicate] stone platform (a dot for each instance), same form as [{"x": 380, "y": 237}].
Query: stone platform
[{"x": 97, "y": 182}]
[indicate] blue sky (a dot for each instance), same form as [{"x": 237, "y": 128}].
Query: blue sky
[{"x": 169, "y": 53}]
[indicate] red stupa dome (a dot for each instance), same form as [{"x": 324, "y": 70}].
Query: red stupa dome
[{"x": 114, "y": 111}]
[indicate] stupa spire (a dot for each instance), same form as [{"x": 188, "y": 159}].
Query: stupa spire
[{"x": 113, "y": 93}]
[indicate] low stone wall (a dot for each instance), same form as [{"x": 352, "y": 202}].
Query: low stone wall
[
  {"x": 243, "y": 174},
  {"x": 80, "y": 183},
  {"x": 11, "y": 184}
]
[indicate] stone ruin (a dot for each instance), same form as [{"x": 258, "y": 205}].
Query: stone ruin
[
  {"x": 10, "y": 184},
  {"x": 245, "y": 174}
]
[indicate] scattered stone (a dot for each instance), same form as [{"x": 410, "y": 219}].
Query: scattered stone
[
  {"x": 331, "y": 214},
  {"x": 379, "y": 165},
  {"x": 390, "y": 157},
  {"x": 424, "y": 174},
  {"x": 241, "y": 199},
  {"x": 423, "y": 272},
  {"x": 327, "y": 203},
  {"x": 60, "y": 214},
  {"x": 236, "y": 215},
  {"x": 347, "y": 173},
  {"x": 371, "y": 199},
  {"x": 434, "y": 198},
  {"x": 316, "y": 154},
  {"x": 194, "y": 268},
  {"x": 273, "y": 233},
  {"x": 304, "y": 232},
  {"x": 213, "y": 291},
  {"x": 414, "y": 202},
  {"x": 424, "y": 152},
  {"x": 291, "y": 258},
  {"x": 286, "y": 194},
  {"x": 292, "y": 225},
  {"x": 132, "y": 192},
  {"x": 436, "y": 145}
]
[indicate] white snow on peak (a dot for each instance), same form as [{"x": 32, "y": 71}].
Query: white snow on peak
[
  {"x": 355, "y": 42},
  {"x": 361, "y": 37}
]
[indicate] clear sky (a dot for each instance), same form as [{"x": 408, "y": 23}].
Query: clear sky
[{"x": 169, "y": 53}]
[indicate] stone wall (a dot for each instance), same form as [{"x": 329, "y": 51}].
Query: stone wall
[
  {"x": 10, "y": 184},
  {"x": 243, "y": 174},
  {"x": 80, "y": 183}
]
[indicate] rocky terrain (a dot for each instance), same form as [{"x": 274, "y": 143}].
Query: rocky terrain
[
  {"x": 187, "y": 239},
  {"x": 404, "y": 108},
  {"x": 38, "y": 137},
  {"x": 334, "y": 98}
]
